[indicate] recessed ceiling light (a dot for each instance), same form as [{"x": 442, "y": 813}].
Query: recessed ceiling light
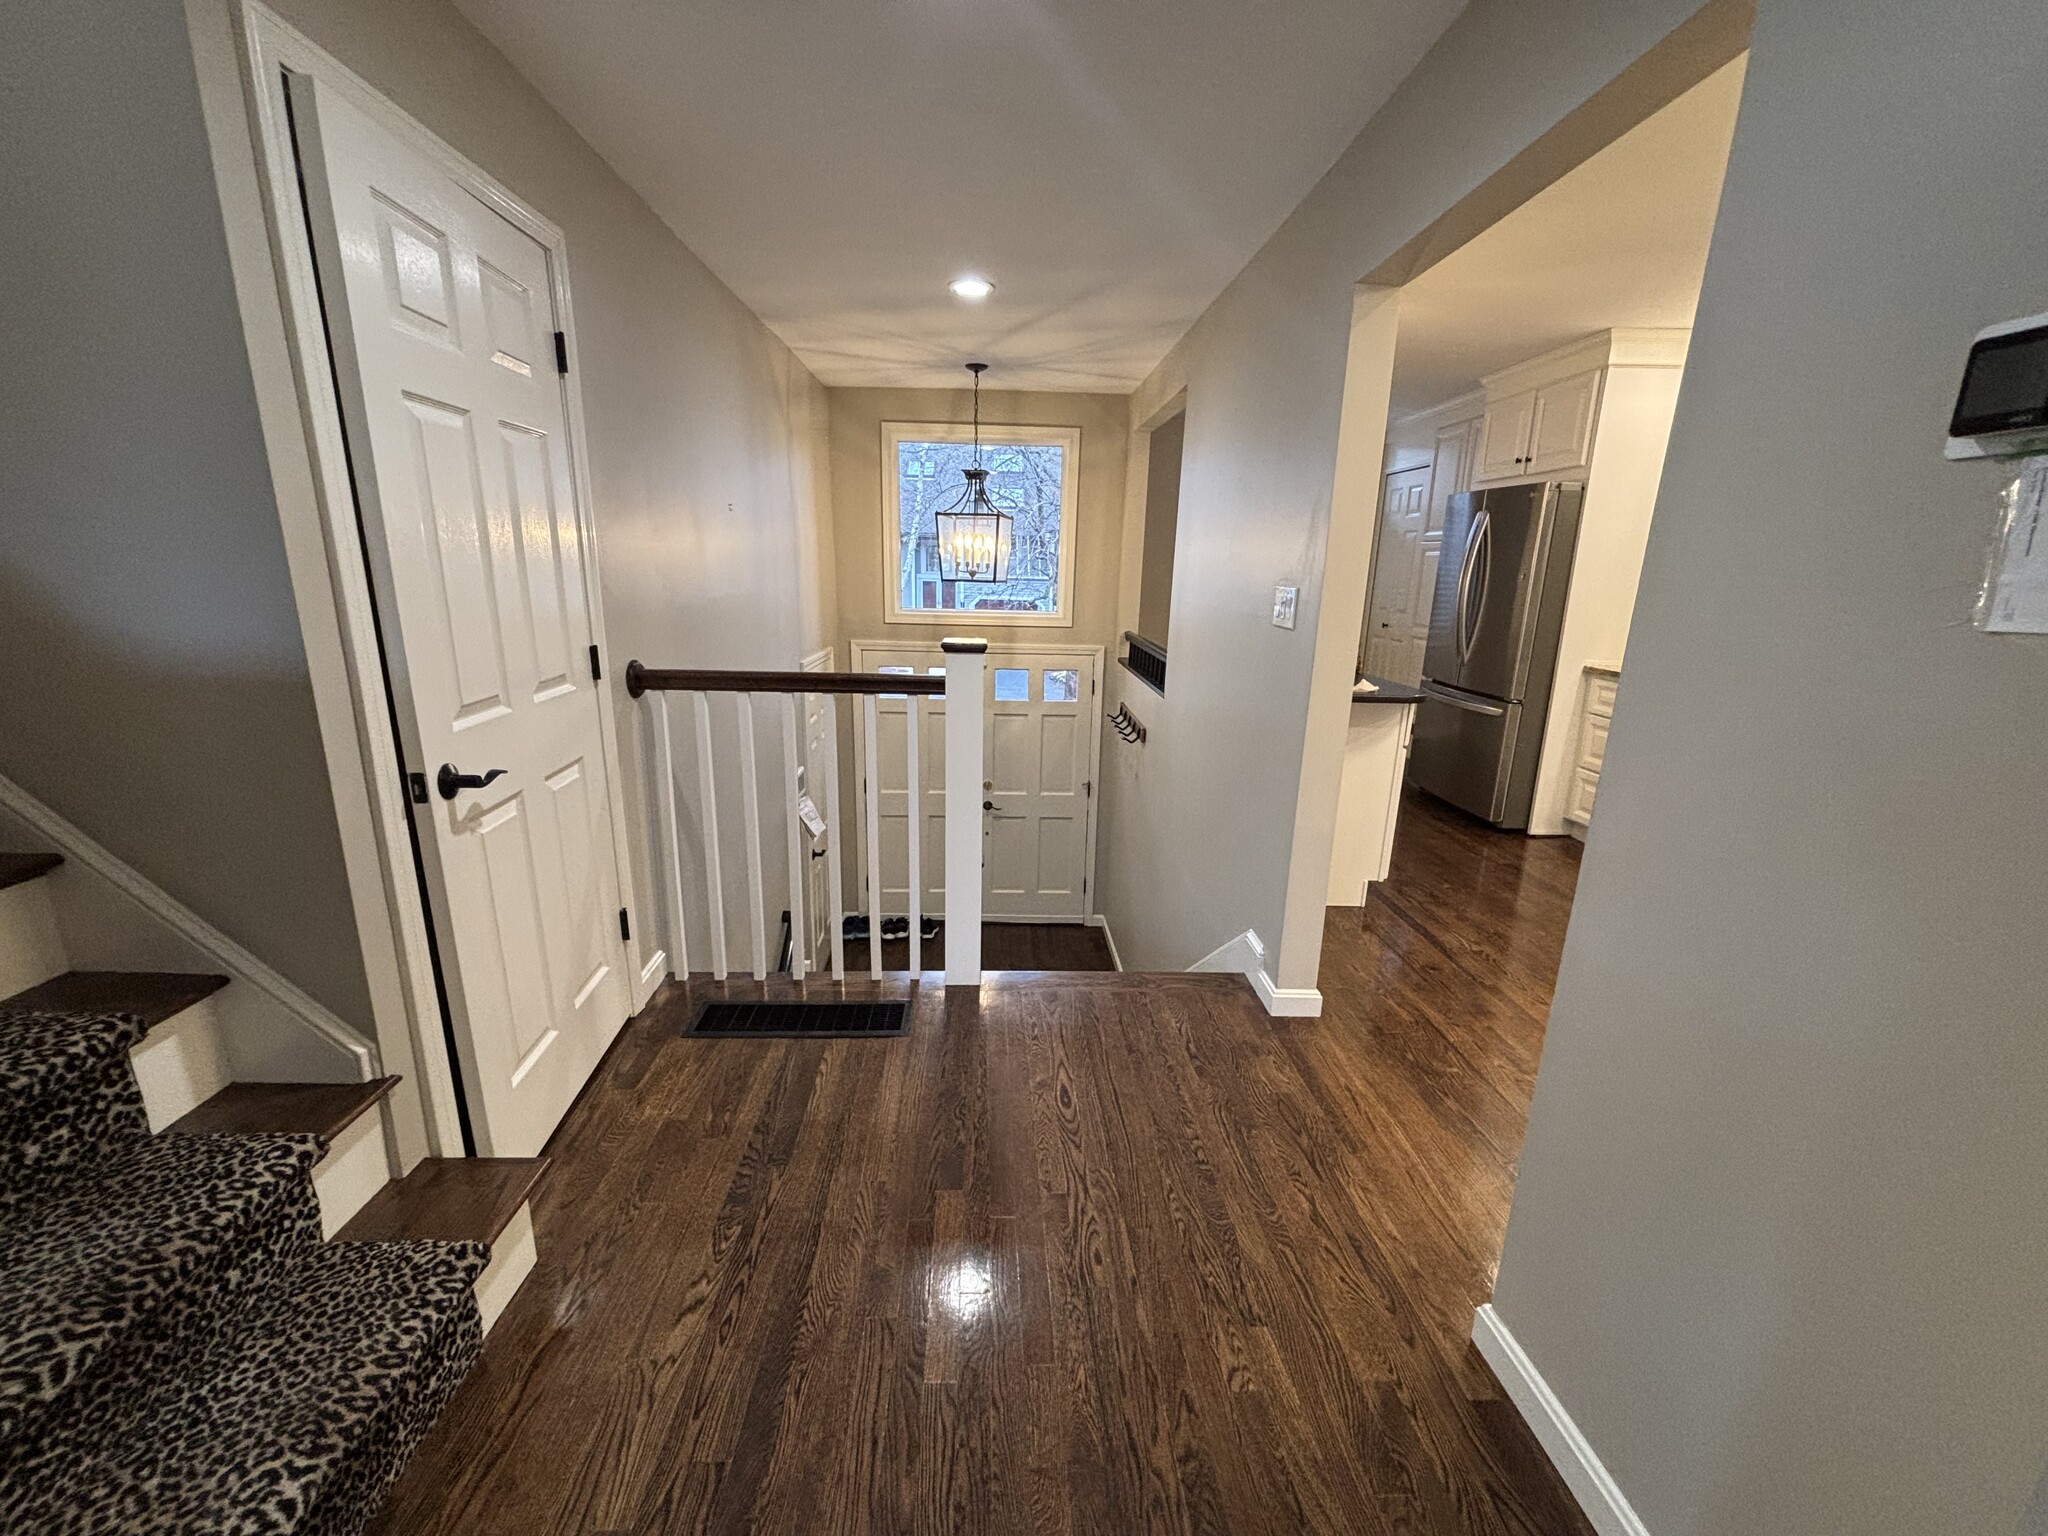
[{"x": 972, "y": 287}]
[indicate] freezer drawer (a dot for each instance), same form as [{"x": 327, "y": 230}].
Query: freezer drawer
[{"x": 1464, "y": 752}]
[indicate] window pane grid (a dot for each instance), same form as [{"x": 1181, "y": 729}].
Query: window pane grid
[{"x": 1026, "y": 480}]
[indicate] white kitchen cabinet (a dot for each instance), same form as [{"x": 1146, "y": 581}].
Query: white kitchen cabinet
[
  {"x": 1504, "y": 436},
  {"x": 1532, "y": 432},
  {"x": 1596, "y": 718},
  {"x": 1561, "y": 435}
]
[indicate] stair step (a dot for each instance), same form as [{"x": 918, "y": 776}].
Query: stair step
[
  {"x": 151, "y": 996},
  {"x": 253, "y": 1109},
  {"x": 296, "y": 1411},
  {"x": 450, "y": 1199},
  {"x": 20, "y": 868},
  {"x": 118, "y": 1261}
]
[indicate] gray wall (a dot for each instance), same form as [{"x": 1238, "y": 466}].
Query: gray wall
[
  {"x": 1780, "y": 1242},
  {"x": 1199, "y": 823},
  {"x": 157, "y": 691},
  {"x": 707, "y": 439}
]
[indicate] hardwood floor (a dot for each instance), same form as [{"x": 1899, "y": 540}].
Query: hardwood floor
[
  {"x": 1088, "y": 1254},
  {"x": 1004, "y": 947}
]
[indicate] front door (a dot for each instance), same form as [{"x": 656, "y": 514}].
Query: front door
[
  {"x": 440, "y": 316},
  {"x": 1038, "y": 797}
]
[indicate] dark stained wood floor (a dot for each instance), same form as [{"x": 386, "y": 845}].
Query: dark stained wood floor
[
  {"x": 1089, "y": 1254},
  {"x": 1004, "y": 947}
]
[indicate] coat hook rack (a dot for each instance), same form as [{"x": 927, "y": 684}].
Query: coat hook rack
[{"x": 1128, "y": 725}]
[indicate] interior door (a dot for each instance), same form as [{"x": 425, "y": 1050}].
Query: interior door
[
  {"x": 1038, "y": 797},
  {"x": 441, "y": 321},
  {"x": 1394, "y": 643}
]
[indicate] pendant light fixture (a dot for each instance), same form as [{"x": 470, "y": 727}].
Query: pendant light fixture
[{"x": 974, "y": 533}]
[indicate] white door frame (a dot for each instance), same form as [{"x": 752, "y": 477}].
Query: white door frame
[
  {"x": 860, "y": 650},
  {"x": 269, "y": 48}
]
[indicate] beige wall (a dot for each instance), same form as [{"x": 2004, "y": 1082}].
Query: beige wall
[
  {"x": 157, "y": 691},
  {"x": 857, "y": 417},
  {"x": 706, "y": 436},
  {"x": 1235, "y": 748},
  {"x": 1780, "y": 1243}
]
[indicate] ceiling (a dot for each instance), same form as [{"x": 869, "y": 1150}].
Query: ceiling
[
  {"x": 1109, "y": 164},
  {"x": 1618, "y": 241}
]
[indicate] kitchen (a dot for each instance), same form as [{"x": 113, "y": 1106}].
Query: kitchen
[{"x": 1536, "y": 376}]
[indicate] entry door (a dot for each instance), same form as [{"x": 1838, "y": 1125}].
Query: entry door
[
  {"x": 1038, "y": 795},
  {"x": 1394, "y": 641},
  {"x": 441, "y": 320}
]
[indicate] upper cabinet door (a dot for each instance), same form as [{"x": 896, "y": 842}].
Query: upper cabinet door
[
  {"x": 1561, "y": 435},
  {"x": 1504, "y": 437}
]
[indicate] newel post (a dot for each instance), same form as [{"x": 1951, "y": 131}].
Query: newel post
[{"x": 966, "y": 664}]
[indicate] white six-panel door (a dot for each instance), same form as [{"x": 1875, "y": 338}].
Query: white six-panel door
[
  {"x": 440, "y": 316},
  {"x": 1393, "y": 645},
  {"x": 1037, "y": 810}
]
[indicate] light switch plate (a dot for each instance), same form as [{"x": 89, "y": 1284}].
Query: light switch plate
[{"x": 1283, "y": 607}]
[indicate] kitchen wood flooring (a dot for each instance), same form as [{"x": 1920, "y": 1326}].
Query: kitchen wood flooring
[{"x": 1092, "y": 1253}]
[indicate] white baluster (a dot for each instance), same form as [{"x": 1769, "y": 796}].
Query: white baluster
[
  {"x": 966, "y": 664},
  {"x": 914, "y": 837},
  {"x": 750, "y": 806},
  {"x": 871, "y": 796},
  {"x": 678, "y": 951},
  {"x": 707, "y": 789},
  {"x": 833, "y": 876},
  {"x": 792, "y": 789}
]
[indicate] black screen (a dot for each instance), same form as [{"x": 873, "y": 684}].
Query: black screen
[{"x": 2005, "y": 385}]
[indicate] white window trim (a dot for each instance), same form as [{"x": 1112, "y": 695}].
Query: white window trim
[{"x": 1001, "y": 433}]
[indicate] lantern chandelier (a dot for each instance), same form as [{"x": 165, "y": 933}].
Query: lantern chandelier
[{"x": 974, "y": 533}]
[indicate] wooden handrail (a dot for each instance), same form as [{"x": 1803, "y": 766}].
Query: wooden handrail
[{"x": 640, "y": 679}]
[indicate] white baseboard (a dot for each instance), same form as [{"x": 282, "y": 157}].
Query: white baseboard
[
  {"x": 1246, "y": 954},
  {"x": 112, "y": 917},
  {"x": 1099, "y": 921},
  {"x": 1567, "y": 1447},
  {"x": 1287, "y": 1002}
]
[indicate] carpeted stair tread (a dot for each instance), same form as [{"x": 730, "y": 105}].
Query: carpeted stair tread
[
  {"x": 294, "y": 1415},
  {"x": 66, "y": 1094},
  {"x": 449, "y": 1199},
  {"x": 20, "y": 868},
  {"x": 151, "y": 996},
  {"x": 110, "y": 1263},
  {"x": 314, "y": 1109}
]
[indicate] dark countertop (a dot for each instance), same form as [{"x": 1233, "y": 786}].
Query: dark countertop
[{"x": 1389, "y": 693}]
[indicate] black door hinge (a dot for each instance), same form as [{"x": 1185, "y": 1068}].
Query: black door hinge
[
  {"x": 561, "y": 352},
  {"x": 596, "y": 672},
  {"x": 416, "y": 786},
  {"x": 625, "y": 927}
]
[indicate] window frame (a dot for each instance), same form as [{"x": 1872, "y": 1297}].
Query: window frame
[{"x": 998, "y": 434}]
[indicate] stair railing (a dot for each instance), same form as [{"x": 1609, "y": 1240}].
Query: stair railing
[{"x": 961, "y": 687}]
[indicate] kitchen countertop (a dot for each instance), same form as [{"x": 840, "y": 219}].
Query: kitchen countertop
[{"x": 1389, "y": 693}]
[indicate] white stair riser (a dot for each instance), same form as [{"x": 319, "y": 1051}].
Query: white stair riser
[
  {"x": 181, "y": 1063},
  {"x": 512, "y": 1259},
  {"x": 353, "y": 1170},
  {"x": 31, "y": 948}
]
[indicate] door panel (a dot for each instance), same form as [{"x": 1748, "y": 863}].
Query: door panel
[
  {"x": 1394, "y": 645},
  {"x": 438, "y": 315}
]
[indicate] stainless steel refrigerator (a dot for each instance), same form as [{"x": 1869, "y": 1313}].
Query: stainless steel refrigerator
[{"x": 1501, "y": 585}]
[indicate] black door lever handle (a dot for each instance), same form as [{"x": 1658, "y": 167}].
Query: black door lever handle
[{"x": 451, "y": 783}]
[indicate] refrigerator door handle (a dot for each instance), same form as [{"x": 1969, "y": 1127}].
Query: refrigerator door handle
[
  {"x": 1480, "y": 549},
  {"x": 1460, "y": 701}
]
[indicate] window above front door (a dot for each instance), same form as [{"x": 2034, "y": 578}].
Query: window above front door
[{"x": 1032, "y": 474}]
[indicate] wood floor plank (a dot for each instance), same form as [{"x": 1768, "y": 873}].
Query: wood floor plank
[{"x": 1080, "y": 1253}]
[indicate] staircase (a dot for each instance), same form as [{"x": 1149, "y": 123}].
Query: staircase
[{"x": 236, "y": 1322}]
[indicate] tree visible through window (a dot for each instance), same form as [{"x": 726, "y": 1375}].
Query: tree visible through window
[{"x": 1029, "y": 477}]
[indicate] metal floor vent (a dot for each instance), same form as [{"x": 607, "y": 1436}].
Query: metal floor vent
[{"x": 802, "y": 1020}]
